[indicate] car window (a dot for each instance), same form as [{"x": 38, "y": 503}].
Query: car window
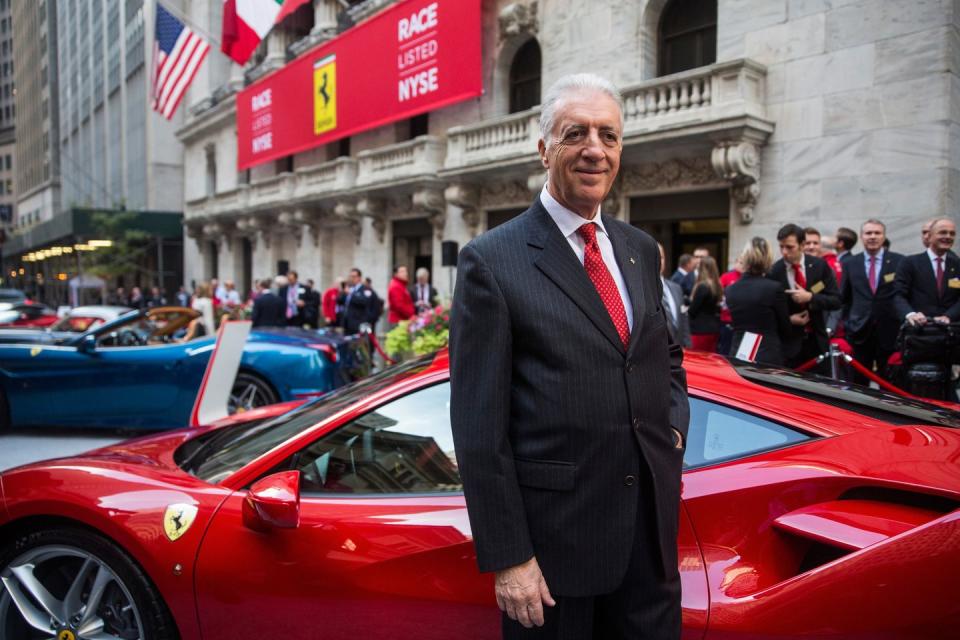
[
  {"x": 403, "y": 446},
  {"x": 217, "y": 454},
  {"x": 719, "y": 433},
  {"x": 76, "y": 324}
]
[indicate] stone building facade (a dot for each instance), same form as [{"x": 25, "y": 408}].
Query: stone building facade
[{"x": 740, "y": 116}]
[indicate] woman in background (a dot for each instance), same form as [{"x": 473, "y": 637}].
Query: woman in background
[
  {"x": 204, "y": 304},
  {"x": 758, "y": 305},
  {"x": 704, "y": 311}
]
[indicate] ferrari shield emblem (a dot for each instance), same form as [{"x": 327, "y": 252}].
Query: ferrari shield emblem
[
  {"x": 66, "y": 634},
  {"x": 177, "y": 519}
]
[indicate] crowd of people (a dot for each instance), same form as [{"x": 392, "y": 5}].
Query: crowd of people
[{"x": 817, "y": 290}]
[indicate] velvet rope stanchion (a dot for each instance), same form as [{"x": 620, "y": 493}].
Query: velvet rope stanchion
[
  {"x": 376, "y": 345},
  {"x": 870, "y": 375}
]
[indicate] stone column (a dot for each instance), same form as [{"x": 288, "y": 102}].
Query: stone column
[
  {"x": 324, "y": 19},
  {"x": 739, "y": 162}
]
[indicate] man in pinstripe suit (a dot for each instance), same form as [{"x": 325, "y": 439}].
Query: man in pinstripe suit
[{"x": 569, "y": 404}]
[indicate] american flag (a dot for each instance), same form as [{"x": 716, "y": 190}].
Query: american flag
[{"x": 177, "y": 54}]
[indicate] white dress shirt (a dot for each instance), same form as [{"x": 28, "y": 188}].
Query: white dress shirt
[
  {"x": 569, "y": 222},
  {"x": 877, "y": 266},
  {"x": 933, "y": 262},
  {"x": 791, "y": 275}
]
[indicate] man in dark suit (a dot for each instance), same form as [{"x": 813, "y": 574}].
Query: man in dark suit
[
  {"x": 269, "y": 309},
  {"x": 569, "y": 405},
  {"x": 424, "y": 294},
  {"x": 359, "y": 305},
  {"x": 928, "y": 283},
  {"x": 811, "y": 289},
  {"x": 869, "y": 317},
  {"x": 678, "y": 321},
  {"x": 685, "y": 275},
  {"x": 844, "y": 243}
]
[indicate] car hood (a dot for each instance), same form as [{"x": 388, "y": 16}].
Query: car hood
[{"x": 34, "y": 336}]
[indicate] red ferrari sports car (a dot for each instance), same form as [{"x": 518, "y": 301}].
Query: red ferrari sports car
[{"x": 809, "y": 509}]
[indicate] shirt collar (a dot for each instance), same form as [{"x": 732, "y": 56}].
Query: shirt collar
[
  {"x": 933, "y": 256},
  {"x": 866, "y": 257},
  {"x": 567, "y": 220}
]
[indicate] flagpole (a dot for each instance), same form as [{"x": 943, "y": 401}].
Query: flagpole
[{"x": 179, "y": 15}]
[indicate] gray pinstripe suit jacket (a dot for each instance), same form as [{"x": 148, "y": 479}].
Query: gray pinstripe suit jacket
[{"x": 553, "y": 420}]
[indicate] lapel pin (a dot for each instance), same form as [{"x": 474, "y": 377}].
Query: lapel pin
[{"x": 632, "y": 261}]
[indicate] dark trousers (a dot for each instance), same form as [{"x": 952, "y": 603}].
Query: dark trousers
[
  {"x": 870, "y": 354},
  {"x": 646, "y": 606},
  {"x": 809, "y": 349}
]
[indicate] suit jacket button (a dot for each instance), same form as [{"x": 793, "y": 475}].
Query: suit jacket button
[
  {"x": 630, "y": 368},
  {"x": 636, "y": 423},
  {"x": 629, "y": 480}
]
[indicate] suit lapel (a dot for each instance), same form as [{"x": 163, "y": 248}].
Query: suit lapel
[
  {"x": 559, "y": 263},
  {"x": 628, "y": 259}
]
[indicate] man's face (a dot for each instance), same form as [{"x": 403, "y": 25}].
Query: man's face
[
  {"x": 790, "y": 250},
  {"x": 699, "y": 254},
  {"x": 583, "y": 155},
  {"x": 811, "y": 245},
  {"x": 942, "y": 235},
  {"x": 925, "y": 234},
  {"x": 292, "y": 277},
  {"x": 872, "y": 236},
  {"x": 402, "y": 273},
  {"x": 353, "y": 278},
  {"x": 423, "y": 278}
]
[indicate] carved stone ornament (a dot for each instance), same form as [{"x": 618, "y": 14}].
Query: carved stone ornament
[
  {"x": 287, "y": 223},
  {"x": 259, "y": 228},
  {"x": 739, "y": 163},
  {"x": 518, "y": 18},
  {"x": 467, "y": 198},
  {"x": 375, "y": 209},
  {"x": 312, "y": 220},
  {"x": 429, "y": 201},
  {"x": 347, "y": 211},
  {"x": 667, "y": 175},
  {"x": 495, "y": 195}
]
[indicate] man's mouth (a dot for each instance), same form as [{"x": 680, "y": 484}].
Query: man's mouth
[{"x": 592, "y": 172}]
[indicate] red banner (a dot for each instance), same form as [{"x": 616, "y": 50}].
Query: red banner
[{"x": 417, "y": 56}]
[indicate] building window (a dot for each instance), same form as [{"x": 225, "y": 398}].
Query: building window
[
  {"x": 284, "y": 164},
  {"x": 343, "y": 147},
  {"x": 211, "y": 170},
  {"x": 525, "y": 77},
  {"x": 688, "y": 35}
]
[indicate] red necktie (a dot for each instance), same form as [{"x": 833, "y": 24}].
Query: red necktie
[
  {"x": 939, "y": 276},
  {"x": 798, "y": 276},
  {"x": 603, "y": 281},
  {"x": 873, "y": 274}
]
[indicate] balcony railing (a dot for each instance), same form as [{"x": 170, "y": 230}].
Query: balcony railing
[
  {"x": 706, "y": 99},
  {"x": 422, "y": 156}
]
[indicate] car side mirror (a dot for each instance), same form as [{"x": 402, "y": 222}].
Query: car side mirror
[
  {"x": 273, "y": 502},
  {"x": 88, "y": 344}
]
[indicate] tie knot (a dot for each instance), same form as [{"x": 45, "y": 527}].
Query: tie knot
[{"x": 588, "y": 232}]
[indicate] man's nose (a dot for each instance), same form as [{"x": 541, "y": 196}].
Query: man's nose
[{"x": 592, "y": 147}]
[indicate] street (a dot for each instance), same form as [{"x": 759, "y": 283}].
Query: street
[{"x": 20, "y": 446}]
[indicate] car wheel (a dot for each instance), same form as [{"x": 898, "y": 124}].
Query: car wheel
[
  {"x": 71, "y": 583},
  {"x": 249, "y": 392}
]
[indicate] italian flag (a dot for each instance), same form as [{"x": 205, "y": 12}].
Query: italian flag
[{"x": 247, "y": 22}]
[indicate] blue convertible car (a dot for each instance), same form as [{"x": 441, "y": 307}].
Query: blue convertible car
[{"x": 132, "y": 372}]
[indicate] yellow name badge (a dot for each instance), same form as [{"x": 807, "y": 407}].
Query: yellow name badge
[
  {"x": 325, "y": 94},
  {"x": 889, "y": 277},
  {"x": 817, "y": 288},
  {"x": 953, "y": 283}
]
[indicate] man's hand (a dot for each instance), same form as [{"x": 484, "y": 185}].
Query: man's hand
[
  {"x": 916, "y": 318},
  {"x": 521, "y": 593},
  {"x": 942, "y": 319},
  {"x": 800, "y": 296},
  {"x": 800, "y": 319}
]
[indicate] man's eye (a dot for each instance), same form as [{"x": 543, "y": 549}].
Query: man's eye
[
  {"x": 573, "y": 135},
  {"x": 609, "y": 137}
]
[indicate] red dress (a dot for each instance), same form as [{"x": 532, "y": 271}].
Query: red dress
[{"x": 399, "y": 301}]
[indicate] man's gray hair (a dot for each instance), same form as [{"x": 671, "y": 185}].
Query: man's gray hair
[
  {"x": 873, "y": 221},
  {"x": 572, "y": 84}
]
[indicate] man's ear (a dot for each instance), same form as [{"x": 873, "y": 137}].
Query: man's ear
[{"x": 542, "y": 148}]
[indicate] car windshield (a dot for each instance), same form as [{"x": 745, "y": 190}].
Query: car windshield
[
  {"x": 216, "y": 455},
  {"x": 76, "y": 324},
  {"x": 866, "y": 401}
]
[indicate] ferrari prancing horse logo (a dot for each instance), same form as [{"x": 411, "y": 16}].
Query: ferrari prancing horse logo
[
  {"x": 66, "y": 634},
  {"x": 177, "y": 519}
]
